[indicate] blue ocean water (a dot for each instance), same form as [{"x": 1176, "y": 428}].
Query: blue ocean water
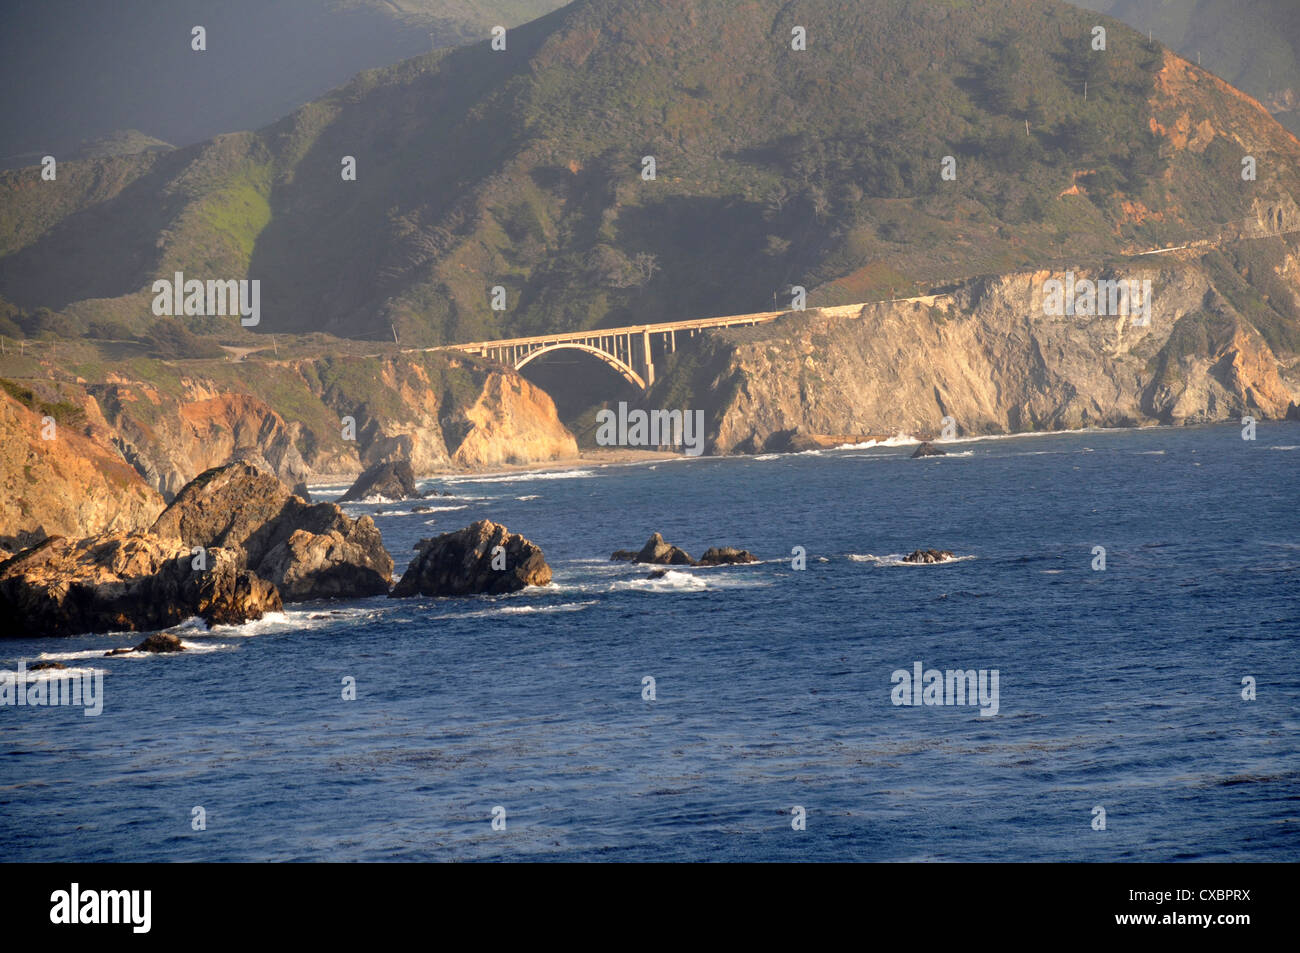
[{"x": 1119, "y": 689}]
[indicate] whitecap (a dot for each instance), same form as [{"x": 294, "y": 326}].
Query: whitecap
[
  {"x": 48, "y": 674},
  {"x": 670, "y": 581},
  {"x": 896, "y": 559},
  {"x": 523, "y": 477}
]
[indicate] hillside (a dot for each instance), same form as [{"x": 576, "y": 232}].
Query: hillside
[
  {"x": 522, "y": 168},
  {"x": 1254, "y": 46},
  {"x": 89, "y": 70}
]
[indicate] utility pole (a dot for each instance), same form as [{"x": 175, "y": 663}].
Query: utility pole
[{"x": 394, "y": 327}]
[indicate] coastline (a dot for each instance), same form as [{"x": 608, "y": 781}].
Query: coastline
[{"x": 626, "y": 456}]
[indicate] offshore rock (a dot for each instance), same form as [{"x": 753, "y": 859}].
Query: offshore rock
[
  {"x": 467, "y": 562},
  {"x": 657, "y": 551},
  {"x": 928, "y": 556},
  {"x": 307, "y": 550},
  {"x": 927, "y": 449},
  {"x": 131, "y": 581},
  {"x": 726, "y": 556},
  {"x": 392, "y": 481}
]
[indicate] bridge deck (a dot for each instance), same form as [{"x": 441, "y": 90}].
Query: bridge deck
[{"x": 697, "y": 324}]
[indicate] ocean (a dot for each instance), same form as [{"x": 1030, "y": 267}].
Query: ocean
[{"x": 774, "y": 688}]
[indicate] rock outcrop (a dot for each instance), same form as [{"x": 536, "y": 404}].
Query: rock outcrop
[
  {"x": 482, "y": 558},
  {"x": 928, "y": 556},
  {"x": 391, "y": 481},
  {"x": 308, "y": 550},
  {"x": 726, "y": 556},
  {"x": 664, "y": 554},
  {"x": 132, "y": 581},
  {"x": 160, "y": 642},
  {"x": 927, "y": 449}
]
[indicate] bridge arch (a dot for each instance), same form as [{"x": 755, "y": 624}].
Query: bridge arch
[{"x": 628, "y": 374}]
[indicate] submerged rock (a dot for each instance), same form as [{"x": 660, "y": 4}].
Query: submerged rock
[
  {"x": 927, "y": 449},
  {"x": 131, "y": 581},
  {"x": 42, "y": 666},
  {"x": 726, "y": 556},
  {"x": 928, "y": 556},
  {"x": 392, "y": 481},
  {"x": 623, "y": 556},
  {"x": 467, "y": 562}
]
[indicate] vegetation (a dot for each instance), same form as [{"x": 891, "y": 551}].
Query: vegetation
[{"x": 773, "y": 168}]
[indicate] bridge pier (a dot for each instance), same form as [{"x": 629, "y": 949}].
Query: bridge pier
[{"x": 649, "y": 374}]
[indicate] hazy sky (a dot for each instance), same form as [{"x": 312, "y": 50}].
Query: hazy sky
[{"x": 78, "y": 69}]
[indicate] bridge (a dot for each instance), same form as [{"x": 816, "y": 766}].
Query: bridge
[{"x": 631, "y": 351}]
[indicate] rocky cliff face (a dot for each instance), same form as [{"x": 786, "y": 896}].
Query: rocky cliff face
[
  {"x": 513, "y": 421},
  {"x": 130, "y": 443},
  {"x": 73, "y": 483},
  {"x": 988, "y": 356}
]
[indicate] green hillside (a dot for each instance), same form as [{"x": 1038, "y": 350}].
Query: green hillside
[
  {"x": 1255, "y": 46},
  {"x": 775, "y": 167}
]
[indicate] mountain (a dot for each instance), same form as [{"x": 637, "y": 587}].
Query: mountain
[
  {"x": 1255, "y": 46},
  {"x": 774, "y": 167},
  {"x": 89, "y": 69}
]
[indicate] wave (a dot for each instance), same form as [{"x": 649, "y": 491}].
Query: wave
[
  {"x": 48, "y": 674},
  {"x": 896, "y": 559},
  {"x": 671, "y": 581},
  {"x": 524, "y": 499},
  {"x": 560, "y": 607},
  {"x": 511, "y": 609},
  {"x": 523, "y": 477}
]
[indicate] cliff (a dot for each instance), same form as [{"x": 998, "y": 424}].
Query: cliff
[
  {"x": 991, "y": 358},
  {"x": 71, "y": 484},
  {"x": 130, "y": 438}
]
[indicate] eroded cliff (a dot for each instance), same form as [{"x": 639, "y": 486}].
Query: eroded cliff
[
  {"x": 130, "y": 438},
  {"x": 991, "y": 358}
]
